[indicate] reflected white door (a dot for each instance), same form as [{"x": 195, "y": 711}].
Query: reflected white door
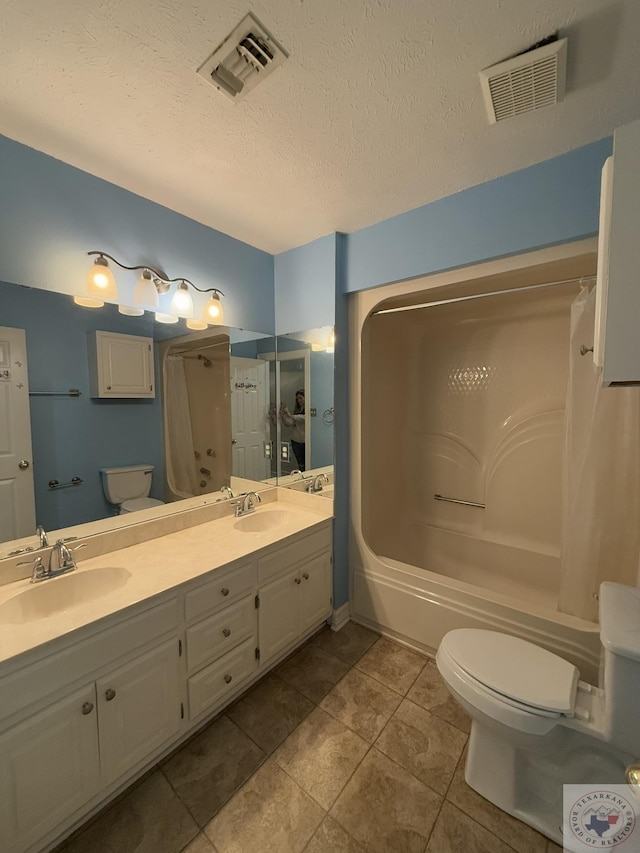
[
  {"x": 249, "y": 414},
  {"x": 17, "y": 503}
]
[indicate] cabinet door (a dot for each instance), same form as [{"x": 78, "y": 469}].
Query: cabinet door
[
  {"x": 315, "y": 592},
  {"x": 139, "y": 709},
  {"x": 125, "y": 365},
  {"x": 49, "y": 767},
  {"x": 279, "y": 615}
]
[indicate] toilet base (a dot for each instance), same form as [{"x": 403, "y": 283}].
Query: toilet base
[{"x": 528, "y": 783}]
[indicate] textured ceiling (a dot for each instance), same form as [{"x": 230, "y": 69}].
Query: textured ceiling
[{"x": 378, "y": 109}]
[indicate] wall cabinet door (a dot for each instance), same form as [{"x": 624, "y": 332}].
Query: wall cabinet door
[
  {"x": 121, "y": 365},
  {"x": 139, "y": 709},
  {"x": 315, "y": 592},
  {"x": 279, "y": 615},
  {"x": 49, "y": 767}
]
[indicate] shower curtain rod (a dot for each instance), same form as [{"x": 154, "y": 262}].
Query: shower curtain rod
[{"x": 582, "y": 280}]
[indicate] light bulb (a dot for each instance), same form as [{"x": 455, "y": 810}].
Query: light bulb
[
  {"x": 100, "y": 281},
  {"x": 213, "y": 314},
  {"x": 182, "y": 303},
  {"x": 145, "y": 293},
  {"x": 130, "y": 312},
  {"x": 166, "y": 318}
]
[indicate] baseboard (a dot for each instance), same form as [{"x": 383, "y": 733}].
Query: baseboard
[{"x": 340, "y": 617}]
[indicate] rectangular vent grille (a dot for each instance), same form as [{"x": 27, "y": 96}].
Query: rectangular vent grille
[
  {"x": 246, "y": 57},
  {"x": 525, "y": 83}
]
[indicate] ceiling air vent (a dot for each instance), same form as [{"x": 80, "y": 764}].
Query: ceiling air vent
[
  {"x": 246, "y": 57},
  {"x": 527, "y": 82}
]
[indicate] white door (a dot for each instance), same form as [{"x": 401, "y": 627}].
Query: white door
[
  {"x": 249, "y": 417},
  {"x": 17, "y": 503}
]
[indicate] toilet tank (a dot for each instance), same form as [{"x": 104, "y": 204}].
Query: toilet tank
[
  {"x": 127, "y": 482},
  {"x": 620, "y": 637}
]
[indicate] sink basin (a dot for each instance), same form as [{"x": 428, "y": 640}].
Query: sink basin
[
  {"x": 260, "y": 521},
  {"x": 58, "y": 594}
]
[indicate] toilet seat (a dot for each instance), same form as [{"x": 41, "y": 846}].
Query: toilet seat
[
  {"x": 136, "y": 504},
  {"x": 505, "y": 665}
]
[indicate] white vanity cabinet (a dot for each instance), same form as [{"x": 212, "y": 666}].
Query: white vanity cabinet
[
  {"x": 294, "y": 592},
  {"x": 83, "y": 740},
  {"x": 120, "y": 366}
]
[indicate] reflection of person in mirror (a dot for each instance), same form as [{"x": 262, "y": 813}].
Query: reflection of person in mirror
[
  {"x": 296, "y": 421},
  {"x": 273, "y": 417}
]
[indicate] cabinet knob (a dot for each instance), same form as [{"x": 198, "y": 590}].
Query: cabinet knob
[
  {"x": 297, "y": 580},
  {"x": 109, "y": 694},
  {"x": 87, "y": 708},
  {"x": 226, "y": 632},
  {"x": 108, "y": 387},
  {"x": 225, "y": 590},
  {"x": 228, "y": 678},
  {"x": 306, "y": 576}
]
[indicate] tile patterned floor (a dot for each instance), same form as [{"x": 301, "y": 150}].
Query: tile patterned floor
[{"x": 352, "y": 745}]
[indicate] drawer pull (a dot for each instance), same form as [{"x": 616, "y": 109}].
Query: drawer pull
[
  {"x": 298, "y": 580},
  {"x": 306, "y": 576},
  {"x": 109, "y": 694},
  {"x": 228, "y": 678},
  {"x": 225, "y": 590},
  {"x": 87, "y": 708},
  {"x": 226, "y": 632}
]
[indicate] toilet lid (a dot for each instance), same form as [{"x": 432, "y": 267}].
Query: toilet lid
[
  {"x": 515, "y": 668},
  {"x": 136, "y": 504}
]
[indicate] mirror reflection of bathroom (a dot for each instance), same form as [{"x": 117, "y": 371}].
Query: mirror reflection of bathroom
[{"x": 306, "y": 406}]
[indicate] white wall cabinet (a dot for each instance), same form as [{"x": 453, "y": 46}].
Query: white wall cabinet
[
  {"x": 120, "y": 366},
  {"x": 617, "y": 333}
]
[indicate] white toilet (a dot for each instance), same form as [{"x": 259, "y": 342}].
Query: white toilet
[
  {"x": 535, "y": 725},
  {"x": 128, "y": 487}
]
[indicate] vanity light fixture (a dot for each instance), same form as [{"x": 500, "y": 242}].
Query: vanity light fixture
[
  {"x": 196, "y": 325},
  {"x": 331, "y": 342},
  {"x": 151, "y": 283},
  {"x": 130, "y": 312}
]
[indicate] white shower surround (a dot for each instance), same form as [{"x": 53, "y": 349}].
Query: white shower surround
[{"x": 418, "y": 605}]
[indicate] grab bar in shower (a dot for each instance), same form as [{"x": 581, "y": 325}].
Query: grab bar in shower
[{"x": 456, "y": 501}]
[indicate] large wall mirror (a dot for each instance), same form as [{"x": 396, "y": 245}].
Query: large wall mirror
[{"x": 217, "y": 420}]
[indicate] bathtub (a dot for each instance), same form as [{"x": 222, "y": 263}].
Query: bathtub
[{"x": 446, "y": 569}]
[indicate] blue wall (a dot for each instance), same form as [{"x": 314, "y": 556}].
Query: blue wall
[
  {"x": 550, "y": 203},
  {"x": 305, "y": 286},
  {"x": 76, "y": 436},
  {"x": 51, "y": 214}
]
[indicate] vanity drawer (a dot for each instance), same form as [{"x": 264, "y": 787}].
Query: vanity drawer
[
  {"x": 216, "y": 635},
  {"x": 280, "y": 561},
  {"x": 220, "y": 591},
  {"x": 209, "y": 687}
]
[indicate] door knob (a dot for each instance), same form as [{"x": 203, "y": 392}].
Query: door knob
[
  {"x": 23, "y": 464},
  {"x": 234, "y": 441}
]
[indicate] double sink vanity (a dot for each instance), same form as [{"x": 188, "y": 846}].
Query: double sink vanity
[{"x": 105, "y": 669}]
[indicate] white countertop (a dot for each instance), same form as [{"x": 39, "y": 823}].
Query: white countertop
[{"x": 156, "y": 566}]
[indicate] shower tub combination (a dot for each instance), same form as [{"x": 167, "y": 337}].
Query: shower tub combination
[{"x": 457, "y": 436}]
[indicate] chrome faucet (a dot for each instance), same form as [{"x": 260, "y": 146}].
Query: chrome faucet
[
  {"x": 245, "y": 505},
  {"x": 315, "y": 485},
  {"x": 297, "y": 471},
  {"x": 227, "y": 491},
  {"x": 42, "y": 536},
  {"x": 61, "y": 554}
]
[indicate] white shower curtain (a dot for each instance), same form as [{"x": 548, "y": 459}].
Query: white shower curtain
[
  {"x": 601, "y": 476},
  {"x": 181, "y": 461}
]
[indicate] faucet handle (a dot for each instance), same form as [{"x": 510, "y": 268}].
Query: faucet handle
[{"x": 39, "y": 572}]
